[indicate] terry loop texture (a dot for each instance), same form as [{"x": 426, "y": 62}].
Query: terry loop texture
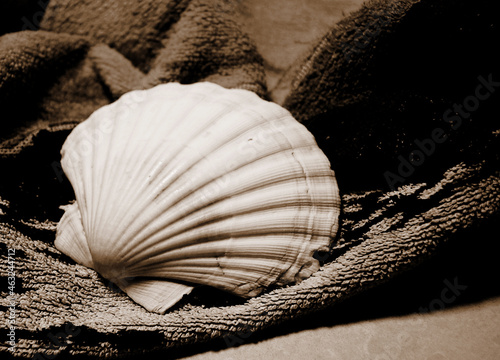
[
  {"x": 374, "y": 84},
  {"x": 387, "y": 77},
  {"x": 89, "y": 53}
]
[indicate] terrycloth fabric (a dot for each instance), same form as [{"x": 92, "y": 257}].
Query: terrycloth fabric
[
  {"x": 383, "y": 78},
  {"x": 88, "y": 53},
  {"x": 382, "y": 81}
]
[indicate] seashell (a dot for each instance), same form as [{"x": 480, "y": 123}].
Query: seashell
[{"x": 185, "y": 185}]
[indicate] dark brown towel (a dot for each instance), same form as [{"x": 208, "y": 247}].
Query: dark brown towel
[
  {"x": 91, "y": 52},
  {"x": 384, "y": 77}
]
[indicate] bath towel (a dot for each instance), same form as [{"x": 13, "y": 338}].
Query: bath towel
[{"x": 401, "y": 95}]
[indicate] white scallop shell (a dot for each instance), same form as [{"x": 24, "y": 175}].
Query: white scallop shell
[{"x": 196, "y": 184}]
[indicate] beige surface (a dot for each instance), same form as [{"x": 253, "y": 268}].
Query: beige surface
[
  {"x": 467, "y": 332},
  {"x": 285, "y": 30}
]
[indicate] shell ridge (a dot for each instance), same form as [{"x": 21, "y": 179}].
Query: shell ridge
[
  {"x": 239, "y": 235},
  {"x": 275, "y": 273},
  {"x": 108, "y": 190},
  {"x": 111, "y": 145},
  {"x": 242, "y": 276},
  {"x": 200, "y": 223},
  {"x": 70, "y": 231},
  {"x": 100, "y": 210},
  {"x": 310, "y": 246},
  {"x": 76, "y": 182},
  {"x": 143, "y": 124},
  {"x": 99, "y": 189},
  {"x": 85, "y": 198},
  {"x": 162, "y": 189},
  {"x": 182, "y": 125},
  {"x": 102, "y": 189},
  {"x": 297, "y": 257},
  {"x": 236, "y": 227},
  {"x": 210, "y": 180},
  {"x": 151, "y": 234},
  {"x": 180, "y": 198}
]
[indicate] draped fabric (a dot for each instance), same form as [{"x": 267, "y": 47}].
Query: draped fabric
[{"x": 401, "y": 95}]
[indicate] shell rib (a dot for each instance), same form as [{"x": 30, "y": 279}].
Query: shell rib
[{"x": 182, "y": 185}]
